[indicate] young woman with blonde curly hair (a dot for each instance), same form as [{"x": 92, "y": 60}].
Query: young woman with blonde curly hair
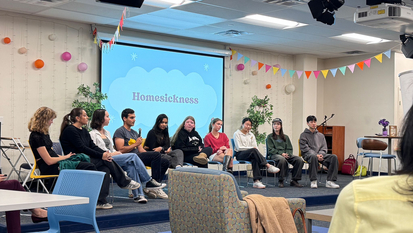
[{"x": 46, "y": 158}]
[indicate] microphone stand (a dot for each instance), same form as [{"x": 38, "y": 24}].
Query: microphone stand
[{"x": 324, "y": 122}]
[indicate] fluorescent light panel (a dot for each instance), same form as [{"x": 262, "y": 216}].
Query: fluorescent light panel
[
  {"x": 360, "y": 38},
  {"x": 168, "y": 3},
  {"x": 277, "y": 21}
]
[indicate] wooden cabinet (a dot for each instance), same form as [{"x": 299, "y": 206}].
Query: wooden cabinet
[{"x": 335, "y": 138}]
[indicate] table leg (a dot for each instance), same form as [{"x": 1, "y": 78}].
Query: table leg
[
  {"x": 389, "y": 160},
  {"x": 309, "y": 225}
]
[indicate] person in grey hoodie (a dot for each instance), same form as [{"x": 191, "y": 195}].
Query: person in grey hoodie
[{"x": 313, "y": 148}]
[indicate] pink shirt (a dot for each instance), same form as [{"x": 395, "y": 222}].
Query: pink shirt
[{"x": 216, "y": 143}]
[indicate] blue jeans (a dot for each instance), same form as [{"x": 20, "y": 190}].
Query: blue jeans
[{"x": 135, "y": 168}]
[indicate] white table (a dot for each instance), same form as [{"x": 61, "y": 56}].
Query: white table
[{"x": 18, "y": 200}]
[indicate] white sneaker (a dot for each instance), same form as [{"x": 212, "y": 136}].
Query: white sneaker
[
  {"x": 258, "y": 185},
  {"x": 132, "y": 185},
  {"x": 332, "y": 185},
  {"x": 161, "y": 194},
  {"x": 273, "y": 169},
  {"x": 105, "y": 206},
  {"x": 157, "y": 193},
  {"x": 314, "y": 184}
]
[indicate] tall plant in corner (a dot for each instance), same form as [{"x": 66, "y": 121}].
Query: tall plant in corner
[
  {"x": 89, "y": 101},
  {"x": 260, "y": 112}
]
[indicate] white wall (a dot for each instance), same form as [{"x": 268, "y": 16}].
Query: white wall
[
  {"x": 360, "y": 99},
  {"x": 238, "y": 95},
  {"x": 23, "y": 88}
]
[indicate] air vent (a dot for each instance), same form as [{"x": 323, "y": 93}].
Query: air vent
[
  {"x": 284, "y": 2},
  {"x": 354, "y": 52},
  {"x": 233, "y": 33},
  {"x": 47, "y": 3}
]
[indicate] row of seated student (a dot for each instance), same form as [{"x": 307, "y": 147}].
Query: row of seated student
[
  {"x": 360, "y": 206},
  {"x": 96, "y": 150}
]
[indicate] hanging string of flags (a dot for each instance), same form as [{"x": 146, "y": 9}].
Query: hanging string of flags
[
  {"x": 307, "y": 73},
  {"x": 106, "y": 46}
]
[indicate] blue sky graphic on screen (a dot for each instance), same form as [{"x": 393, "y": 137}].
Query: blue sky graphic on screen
[{"x": 152, "y": 81}]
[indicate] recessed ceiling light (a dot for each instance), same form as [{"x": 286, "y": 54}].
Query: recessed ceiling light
[
  {"x": 277, "y": 22},
  {"x": 360, "y": 38}
]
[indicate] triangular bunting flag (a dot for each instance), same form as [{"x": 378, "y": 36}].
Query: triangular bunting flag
[
  {"x": 379, "y": 57},
  {"x": 360, "y": 64},
  {"x": 316, "y": 73},
  {"x": 291, "y": 73},
  {"x": 325, "y": 73},
  {"x": 388, "y": 53},
  {"x": 333, "y": 72},
  {"x": 308, "y": 73},
  {"x": 299, "y": 73},
  {"x": 283, "y": 72},
  {"x": 253, "y": 62},
  {"x": 233, "y": 52},
  {"x": 246, "y": 59},
  {"x": 367, "y": 62},
  {"x": 260, "y": 65},
  {"x": 94, "y": 41},
  {"x": 117, "y": 35},
  {"x": 267, "y": 68},
  {"x": 351, "y": 67},
  {"x": 121, "y": 23},
  {"x": 239, "y": 56},
  {"x": 275, "y": 69},
  {"x": 343, "y": 70}
]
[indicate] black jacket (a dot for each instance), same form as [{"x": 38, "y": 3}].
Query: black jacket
[{"x": 188, "y": 142}]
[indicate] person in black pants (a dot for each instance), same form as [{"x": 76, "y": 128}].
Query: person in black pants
[
  {"x": 128, "y": 140},
  {"x": 74, "y": 138},
  {"x": 46, "y": 158},
  {"x": 187, "y": 139},
  {"x": 247, "y": 149}
]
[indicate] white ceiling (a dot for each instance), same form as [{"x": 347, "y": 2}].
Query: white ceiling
[{"x": 201, "y": 20}]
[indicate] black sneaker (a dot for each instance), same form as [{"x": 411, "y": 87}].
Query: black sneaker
[
  {"x": 153, "y": 184},
  {"x": 140, "y": 200}
]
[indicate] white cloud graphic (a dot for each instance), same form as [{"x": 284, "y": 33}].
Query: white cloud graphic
[{"x": 159, "y": 83}]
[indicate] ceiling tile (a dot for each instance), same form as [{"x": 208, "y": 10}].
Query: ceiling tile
[{"x": 75, "y": 16}]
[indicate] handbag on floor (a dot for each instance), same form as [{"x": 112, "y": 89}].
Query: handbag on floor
[
  {"x": 349, "y": 165},
  {"x": 363, "y": 171},
  {"x": 302, "y": 218}
]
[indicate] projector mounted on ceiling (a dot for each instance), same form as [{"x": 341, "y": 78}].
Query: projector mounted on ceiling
[{"x": 387, "y": 16}]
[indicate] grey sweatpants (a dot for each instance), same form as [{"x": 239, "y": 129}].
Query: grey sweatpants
[{"x": 330, "y": 161}]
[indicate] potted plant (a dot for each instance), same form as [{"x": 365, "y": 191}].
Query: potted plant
[
  {"x": 90, "y": 101},
  {"x": 260, "y": 112}
]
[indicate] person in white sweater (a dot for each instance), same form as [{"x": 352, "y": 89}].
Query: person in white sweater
[
  {"x": 129, "y": 162},
  {"x": 247, "y": 149}
]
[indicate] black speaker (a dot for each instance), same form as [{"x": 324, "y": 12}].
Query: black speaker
[
  {"x": 407, "y": 47},
  {"x": 130, "y": 3}
]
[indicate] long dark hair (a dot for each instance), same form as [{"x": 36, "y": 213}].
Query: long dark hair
[
  {"x": 213, "y": 121},
  {"x": 70, "y": 118},
  {"x": 162, "y": 136},
  {"x": 97, "y": 119},
  {"x": 281, "y": 134},
  {"x": 405, "y": 153}
]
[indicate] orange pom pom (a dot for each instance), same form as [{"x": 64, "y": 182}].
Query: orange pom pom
[
  {"x": 268, "y": 86},
  {"x": 39, "y": 63},
  {"x": 6, "y": 40}
]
